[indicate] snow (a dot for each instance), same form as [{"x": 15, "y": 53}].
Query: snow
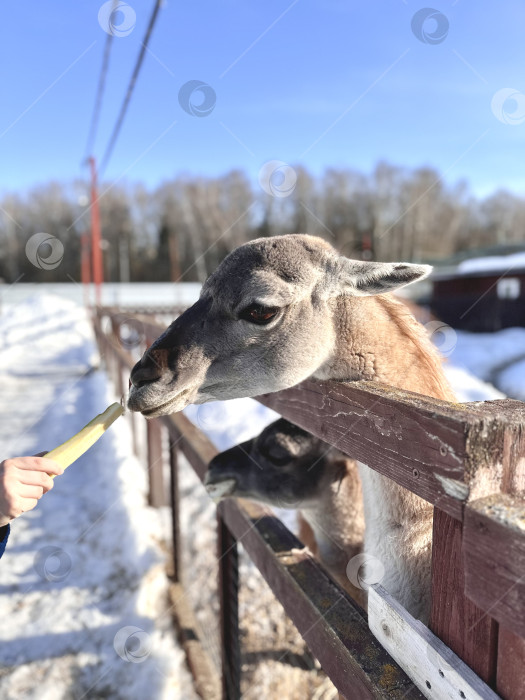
[
  {"x": 493, "y": 263},
  {"x": 494, "y": 358},
  {"x": 512, "y": 380},
  {"x": 467, "y": 387},
  {"x": 83, "y": 577},
  {"x": 227, "y": 423},
  {"x": 139, "y": 294}
]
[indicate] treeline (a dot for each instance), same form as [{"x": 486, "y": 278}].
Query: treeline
[{"x": 184, "y": 228}]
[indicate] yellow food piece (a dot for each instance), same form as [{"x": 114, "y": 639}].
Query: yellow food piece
[{"x": 69, "y": 451}]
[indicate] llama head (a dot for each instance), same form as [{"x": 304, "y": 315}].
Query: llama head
[
  {"x": 284, "y": 466},
  {"x": 263, "y": 322}
]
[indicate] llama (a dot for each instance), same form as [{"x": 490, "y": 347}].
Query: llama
[
  {"x": 288, "y": 467},
  {"x": 280, "y": 310}
]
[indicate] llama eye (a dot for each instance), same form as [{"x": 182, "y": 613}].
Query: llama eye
[
  {"x": 261, "y": 315},
  {"x": 276, "y": 455}
]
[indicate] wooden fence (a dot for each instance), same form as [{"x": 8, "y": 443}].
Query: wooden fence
[{"x": 443, "y": 452}]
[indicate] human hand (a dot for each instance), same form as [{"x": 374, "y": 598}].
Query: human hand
[{"x": 23, "y": 481}]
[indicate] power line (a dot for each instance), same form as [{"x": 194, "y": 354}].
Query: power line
[
  {"x": 100, "y": 89},
  {"x": 131, "y": 86}
]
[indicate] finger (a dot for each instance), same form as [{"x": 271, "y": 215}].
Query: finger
[
  {"x": 47, "y": 465},
  {"x": 34, "y": 478},
  {"x": 48, "y": 485},
  {"x": 28, "y": 504},
  {"x": 32, "y": 492},
  {"x": 33, "y": 463}
]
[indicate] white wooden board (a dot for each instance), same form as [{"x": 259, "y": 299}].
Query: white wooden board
[{"x": 428, "y": 662}]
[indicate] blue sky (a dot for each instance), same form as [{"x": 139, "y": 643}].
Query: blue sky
[{"x": 320, "y": 83}]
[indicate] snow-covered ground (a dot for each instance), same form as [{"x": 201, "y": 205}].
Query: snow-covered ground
[
  {"x": 83, "y": 590},
  {"x": 497, "y": 359},
  {"x": 113, "y": 293}
]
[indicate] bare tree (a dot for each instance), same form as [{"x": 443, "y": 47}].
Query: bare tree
[{"x": 183, "y": 228}]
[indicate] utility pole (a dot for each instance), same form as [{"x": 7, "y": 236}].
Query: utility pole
[
  {"x": 85, "y": 267},
  {"x": 96, "y": 249}
]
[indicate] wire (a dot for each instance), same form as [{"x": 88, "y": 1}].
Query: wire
[
  {"x": 131, "y": 86},
  {"x": 100, "y": 90}
]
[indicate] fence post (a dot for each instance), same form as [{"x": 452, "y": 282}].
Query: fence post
[
  {"x": 229, "y": 602},
  {"x": 133, "y": 426},
  {"x": 511, "y": 648},
  {"x": 115, "y": 325},
  {"x": 175, "y": 525},
  {"x": 157, "y": 496},
  {"x": 455, "y": 619}
]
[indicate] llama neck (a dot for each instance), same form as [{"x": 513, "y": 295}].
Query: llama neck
[
  {"x": 398, "y": 538},
  {"x": 379, "y": 339},
  {"x": 336, "y": 516}
]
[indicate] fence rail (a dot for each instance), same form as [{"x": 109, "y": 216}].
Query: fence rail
[{"x": 468, "y": 460}]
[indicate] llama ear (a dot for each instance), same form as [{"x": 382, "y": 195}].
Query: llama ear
[
  {"x": 360, "y": 278},
  {"x": 283, "y": 442}
]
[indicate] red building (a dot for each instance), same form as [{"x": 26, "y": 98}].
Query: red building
[{"x": 480, "y": 301}]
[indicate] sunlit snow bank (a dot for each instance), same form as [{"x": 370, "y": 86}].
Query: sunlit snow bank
[{"x": 497, "y": 358}]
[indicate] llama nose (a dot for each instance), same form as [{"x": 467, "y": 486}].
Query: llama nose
[{"x": 146, "y": 371}]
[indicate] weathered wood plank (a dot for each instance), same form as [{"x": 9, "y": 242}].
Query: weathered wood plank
[
  {"x": 455, "y": 619},
  {"x": 112, "y": 347},
  {"x": 494, "y": 554},
  {"x": 196, "y": 447},
  {"x": 441, "y": 451},
  {"x": 228, "y": 557},
  {"x": 434, "y": 668},
  {"x": 207, "y": 681},
  {"x": 175, "y": 512},
  {"x": 511, "y": 665},
  {"x": 511, "y": 648},
  {"x": 157, "y": 491}
]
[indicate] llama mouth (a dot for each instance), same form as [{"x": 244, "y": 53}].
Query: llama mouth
[
  {"x": 219, "y": 489},
  {"x": 164, "y": 408}
]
